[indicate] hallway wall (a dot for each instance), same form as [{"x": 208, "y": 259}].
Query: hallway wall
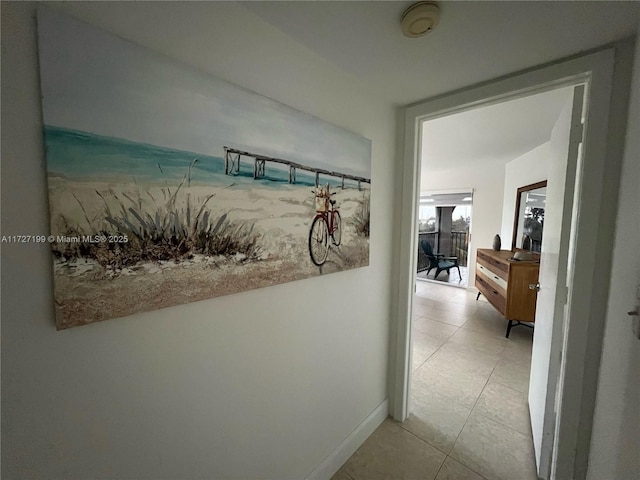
[{"x": 615, "y": 440}]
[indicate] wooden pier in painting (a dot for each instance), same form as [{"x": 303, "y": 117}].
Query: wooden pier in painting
[{"x": 232, "y": 165}]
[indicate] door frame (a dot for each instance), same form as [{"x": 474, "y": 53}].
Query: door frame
[{"x": 588, "y": 292}]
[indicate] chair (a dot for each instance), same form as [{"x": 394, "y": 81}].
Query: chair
[{"x": 438, "y": 261}]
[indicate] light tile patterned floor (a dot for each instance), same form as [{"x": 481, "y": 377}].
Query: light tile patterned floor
[{"x": 470, "y": 419}]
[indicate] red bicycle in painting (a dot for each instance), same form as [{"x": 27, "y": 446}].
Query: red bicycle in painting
[{"x": 326, "y": 223}]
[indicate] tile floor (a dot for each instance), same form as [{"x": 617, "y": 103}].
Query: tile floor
[{"x": 470, "y": 419}]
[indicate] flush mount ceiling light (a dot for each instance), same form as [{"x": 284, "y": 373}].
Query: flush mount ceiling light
[{"x": 420, "y": 19}]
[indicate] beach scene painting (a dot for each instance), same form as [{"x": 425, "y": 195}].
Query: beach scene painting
[{"x": 168, "y": 185}]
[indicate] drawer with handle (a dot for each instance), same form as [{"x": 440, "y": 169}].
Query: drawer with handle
[
  {"x": 494, "y": 297},
  {"x": 501, "y": 282},
  {"x": 499, "y": 267}
]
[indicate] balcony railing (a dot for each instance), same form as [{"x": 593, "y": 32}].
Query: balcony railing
[{"x": 459, "y": 247}]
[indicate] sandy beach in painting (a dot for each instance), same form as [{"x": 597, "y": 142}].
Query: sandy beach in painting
[{"x": 280, "y": 218}]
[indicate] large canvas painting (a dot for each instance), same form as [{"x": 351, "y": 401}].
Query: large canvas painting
[{"x": 168, "y": 186}]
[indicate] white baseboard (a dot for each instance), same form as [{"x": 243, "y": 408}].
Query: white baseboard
[{"x": 332, "y": 463}]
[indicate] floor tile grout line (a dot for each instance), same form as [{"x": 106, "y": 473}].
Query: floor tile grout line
[
  {"x": 429, "y": 309},
  {"x": 478, "y": 413},
  {"x": 427, "y": 317},
  {"x": 468, "y": 468},
  {"x": 502, "y": 424},
  {"x": 470, "y": 409},
  {"x": 490, "y": 418},
  {"x": 458, "y": 436},
  {"x": 435, "y": 351},
  {"x": 444, "y": 323},
  {"x": 441, "y": 465},
  {"x": 449, "y": 324},
  {"x": 471, "y": 413},
  {"x": 497, "y": 380},
  {"x": 446, "y": 307},
  {"x": 401, "y": 424}
]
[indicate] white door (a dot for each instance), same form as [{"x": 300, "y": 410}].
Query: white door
[{"x": 554, "y": 261}]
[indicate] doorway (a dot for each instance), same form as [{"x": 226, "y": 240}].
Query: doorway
[
  {"x": 444, "y": 231},
  {"x": 463, "y": 366},
  {"x": 595, "y": 70}
]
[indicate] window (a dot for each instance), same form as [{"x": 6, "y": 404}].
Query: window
[{"x": 427, "y": 218}]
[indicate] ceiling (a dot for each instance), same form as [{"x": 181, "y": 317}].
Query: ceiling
[
  {"x": 492, "y": 135},
  {"x": 446, "y": 199},
  {"x": 474, "y": 42}
]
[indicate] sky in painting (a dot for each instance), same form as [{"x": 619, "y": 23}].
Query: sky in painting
[{"x": 96, "y": 82}]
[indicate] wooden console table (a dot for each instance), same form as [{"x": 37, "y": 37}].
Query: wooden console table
[{"x": 505, "y": 284}]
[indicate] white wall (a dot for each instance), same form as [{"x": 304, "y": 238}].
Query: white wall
[
  {"x": 615, "y": 441},
  {"x": 263, "y": 384},
  {"x": 487, "y": 182},
  {"x": 529, "y": 168}
]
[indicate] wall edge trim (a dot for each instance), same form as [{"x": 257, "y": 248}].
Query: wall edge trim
[{"x": 332, "y": 462}]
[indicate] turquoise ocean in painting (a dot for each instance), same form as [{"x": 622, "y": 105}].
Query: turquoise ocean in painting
[{"x": 85, "y": 156}]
